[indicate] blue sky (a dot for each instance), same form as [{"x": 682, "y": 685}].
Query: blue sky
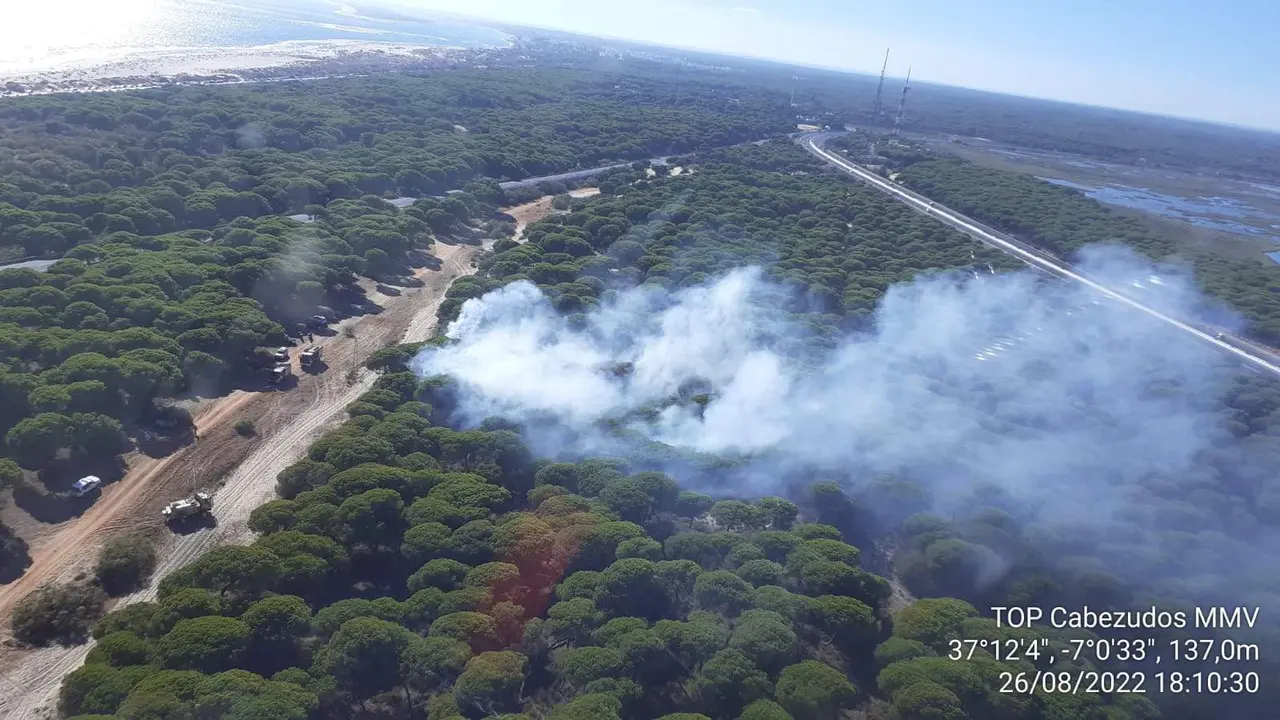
[{"x": 1214, "y": 60}]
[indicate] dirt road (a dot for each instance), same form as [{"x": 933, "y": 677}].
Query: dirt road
[
  {"x": 286, "y": 422},
  {"x": 533, "y": 211},
  {"x": 64, "y": 551}
]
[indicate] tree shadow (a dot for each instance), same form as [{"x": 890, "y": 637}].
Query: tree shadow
[
  {"x": 14, "y": 555},
  {"x": 154, "y": 443},
  {"x": 193, "y": 524},
  {"x": 421, "y": 258},
  {"x": 60, "y": 475},
  {"x": 315, "y": 368},
  {"x": 349, "y": 301},
  {"x": 476, "y": 238},
  {"x": 51, "y": 501},
  {"x": 251, "y": 379},
  {"x": 289, "y": 382},
  {"x": 402, "y": 275}
]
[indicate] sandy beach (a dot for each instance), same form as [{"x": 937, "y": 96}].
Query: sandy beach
[{"x": 207, "y": 65}]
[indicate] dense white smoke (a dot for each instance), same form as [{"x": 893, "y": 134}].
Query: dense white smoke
[
  {"x": 1012, "y": 377},
  {"x": 1098, "y": 423}
]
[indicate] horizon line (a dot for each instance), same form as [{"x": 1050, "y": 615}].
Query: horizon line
[{"x": 514, "y": 28}]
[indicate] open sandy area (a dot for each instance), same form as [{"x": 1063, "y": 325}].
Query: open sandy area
[{"x": 286, "y": 60}]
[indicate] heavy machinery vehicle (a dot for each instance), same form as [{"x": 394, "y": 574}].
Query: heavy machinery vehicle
[
  {"x": 279, "y": 373},
  {"x": 188, "y": 507}
]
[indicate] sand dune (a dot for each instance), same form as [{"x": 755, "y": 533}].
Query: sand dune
[{"x": 156, "y": 67}]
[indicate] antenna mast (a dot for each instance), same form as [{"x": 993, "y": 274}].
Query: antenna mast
[
  {"x": 902, "y": 104},
  {"x": 879, "y": 106}
]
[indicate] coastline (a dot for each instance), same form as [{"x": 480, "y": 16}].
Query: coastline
[{"x": 289, "y": 60}]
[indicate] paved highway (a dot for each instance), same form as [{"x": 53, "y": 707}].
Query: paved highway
[
  {"x": 37, "y": 265},
  {"x": 564, "y": 177},
  {"x": 591, "y": 172},
  {"x": 1255, "y": 358}
]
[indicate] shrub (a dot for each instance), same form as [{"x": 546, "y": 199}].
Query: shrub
[
  {"x": 810, "y": 690},
  {"x": 57, "y": 613},
  {"x": 125, "y": 563},
  {"x": 764, "y": 710},
  {"x": 245, "y": 428},
  {"x": 120, "y": 649}
]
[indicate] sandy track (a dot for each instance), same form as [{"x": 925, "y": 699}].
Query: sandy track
[
  {"x": 455, "y": 261},
  {"x": 535, "y": 210},
  {"x": 66, "y": 550},
  {"x": 253, "y": 482},
  {"x": 287, "y": 422},
  {"x": 529, "y": 213}
]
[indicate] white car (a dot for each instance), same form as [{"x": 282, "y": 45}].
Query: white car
[{"x": 86, "y": 485}]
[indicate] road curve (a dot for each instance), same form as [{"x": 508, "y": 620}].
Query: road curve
[{"x": 812, "y": 142}]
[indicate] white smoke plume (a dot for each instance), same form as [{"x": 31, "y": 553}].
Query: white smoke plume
[
  {"x": 951, "y": 360},
  {"x": 1100, "y": 430},
  {"x": 1092, "y": 417}
]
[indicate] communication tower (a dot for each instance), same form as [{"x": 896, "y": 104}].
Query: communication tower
[
  {"x": 902, "y": 104},
  {"x": 878, "y": 109}
]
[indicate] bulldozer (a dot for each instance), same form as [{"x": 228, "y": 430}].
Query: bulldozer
[{"x": 199, "y": 503}]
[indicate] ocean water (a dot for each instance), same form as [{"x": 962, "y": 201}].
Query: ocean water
[{"x": 62, "y": 34}]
